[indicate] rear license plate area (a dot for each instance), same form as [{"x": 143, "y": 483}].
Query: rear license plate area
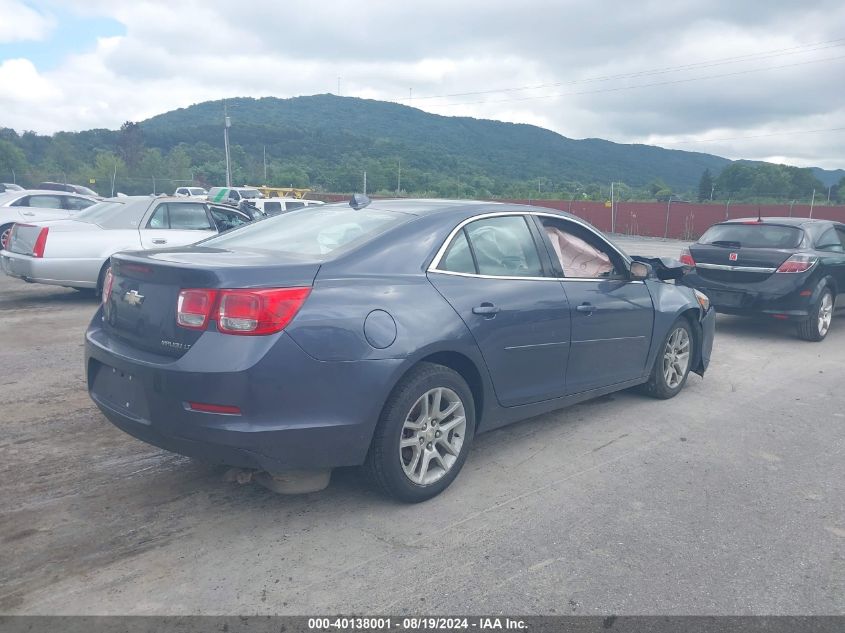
[
  {"x": 121, "y": 390},
  {"x": 726, "y": 299}
]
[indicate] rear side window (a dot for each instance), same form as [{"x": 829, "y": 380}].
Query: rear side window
[
  {"x": 753, "y": 236},
  {"x": 290, "y": 206},
  {"x": 272, "y": 208},
  {"x": 41, "y": 202},
  {"x": 496, "y": 247},
  {"x": 182, "y": 216},
  {"x": 311, "y": 231},
  {"x": 458, "y": 257}
]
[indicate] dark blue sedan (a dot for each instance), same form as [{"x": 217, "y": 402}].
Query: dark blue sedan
[{"x": 386, "y": 334}]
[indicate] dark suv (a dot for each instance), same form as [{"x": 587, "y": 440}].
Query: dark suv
[{"x": 792, "y": 269}]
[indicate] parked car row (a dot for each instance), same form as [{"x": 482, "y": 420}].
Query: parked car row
[
  {"x": 75, "y": 252},
  {"x": 388, "y": 334}
]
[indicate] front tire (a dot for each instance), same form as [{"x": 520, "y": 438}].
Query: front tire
[
  {"x": 423, "y": 436},
  {"x": 673, "y": 363},
  {"x": 821, "y": 314}
]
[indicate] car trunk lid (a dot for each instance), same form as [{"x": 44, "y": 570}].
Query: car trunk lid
[{"x": 141, "y": 307}]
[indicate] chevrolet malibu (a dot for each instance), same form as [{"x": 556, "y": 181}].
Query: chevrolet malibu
[{"x": 385, "y": 334}]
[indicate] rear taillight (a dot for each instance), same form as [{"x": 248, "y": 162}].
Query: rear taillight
[
  {"x": 108, "y": 280},
  {"x": 260, "y": 311},
  {"x": 40, "y": 243},
  {"x": 798, "y": 264},
  {"x": 242, "y": 311},
  {"x": 194, "y": 306},
  {"x": 686, "y": 257}
]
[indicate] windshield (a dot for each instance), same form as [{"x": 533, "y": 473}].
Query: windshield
[
  {"x": 115, "y": 215},
  {"x": 754, "y": 235},
  {"x": 310, "y": 231}
]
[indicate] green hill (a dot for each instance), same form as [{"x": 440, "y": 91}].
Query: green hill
[{"x": 327, "y": 142}]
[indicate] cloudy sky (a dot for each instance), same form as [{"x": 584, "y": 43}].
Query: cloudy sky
[{"x": 739, "y": 78}]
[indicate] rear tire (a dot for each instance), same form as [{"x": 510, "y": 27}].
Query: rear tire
[
  {"x": 423, "y": 435},
  {"x": 815, "y": 328},
  {"x": 5, "y": 231},
  {"x": 673, "y": 363}
]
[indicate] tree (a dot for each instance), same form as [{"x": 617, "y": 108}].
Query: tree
[
  {"x": 12, "y": 159},
  {"x": 130, "y": 144},
  {"x": 706, "y": 186}
]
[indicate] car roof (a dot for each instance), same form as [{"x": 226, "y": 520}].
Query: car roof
[{"x": 796, "y": 222}]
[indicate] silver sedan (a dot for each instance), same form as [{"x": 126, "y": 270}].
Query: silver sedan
[
  {"x": 75, "y": 252},
  {"x": 38, "y": 205}
]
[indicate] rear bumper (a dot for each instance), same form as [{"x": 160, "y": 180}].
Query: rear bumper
[
  {"x": 55, "y": 272},
  {"x": 297, "y": 412},
  {"x": 779, "y": 295}
]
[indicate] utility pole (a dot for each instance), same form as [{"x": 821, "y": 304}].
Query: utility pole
[
  {"x": 668, "y": 208},
  {"x": 828, "y": 193},
  {"x": 812, "y": 203},
  {"x": 265, "y": 164},
  {"x": 399, "y": 178},
  {"x": 712, "y": 189},
  {"x": 791, "y": 204},
  {"x": 365, "y": 182},
  {"x": 227, "y": 123},
  {"x": 612, "y": 210},
  {"x": 14, "y": 181},
  {"x": 113, "y": 178}
]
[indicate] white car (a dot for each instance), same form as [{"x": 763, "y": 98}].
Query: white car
[
  {"x": 275, "y": 206},
  {"x": 75, "y": 253},
  {"x": 191, "y": 192},
  {"x": 36, "y": 205}
]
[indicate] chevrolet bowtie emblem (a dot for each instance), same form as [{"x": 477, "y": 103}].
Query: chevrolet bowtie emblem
[{"x": 133, "y": 298}]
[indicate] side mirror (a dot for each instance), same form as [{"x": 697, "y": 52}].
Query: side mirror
[{"x": 640, "y": 270}]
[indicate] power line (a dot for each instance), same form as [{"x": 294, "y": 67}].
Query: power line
[
  {"x": 704, "y": 64},
  {"x": 648, "y": 85}
]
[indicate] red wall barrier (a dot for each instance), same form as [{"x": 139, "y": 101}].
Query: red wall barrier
[{"x": 686, "y": 221}]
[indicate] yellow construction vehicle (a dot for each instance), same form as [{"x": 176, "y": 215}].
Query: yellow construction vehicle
[{"x": 282, "y": 192}]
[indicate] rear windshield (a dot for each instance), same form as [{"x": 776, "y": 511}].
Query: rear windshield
[
  {"x": 197, "y": 192},
  {"x": 249, "y": 193},
  {"x": 115, "y": 215},
  {"x": 753, "y": 236},
  {"x": 310, "y": 231}
]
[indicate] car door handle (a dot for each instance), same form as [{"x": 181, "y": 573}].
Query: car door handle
[
  {"x": 486, "y": 309},
  {"x": 587, "y": 308},
  {"x": 27, "y": 213},
  {"x": 159, "y": 240}
]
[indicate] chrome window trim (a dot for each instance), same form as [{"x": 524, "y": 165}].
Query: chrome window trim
[
  {"x": 743, "y": 269},
  {"x": 483, "y": 216}
]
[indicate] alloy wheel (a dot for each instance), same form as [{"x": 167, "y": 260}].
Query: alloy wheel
[
  {"x": 432, "y": 436},
  {"x": 4, "y": 237},
  {"x": 825, "y": 313},
  {"x": 676, "y": 357}
]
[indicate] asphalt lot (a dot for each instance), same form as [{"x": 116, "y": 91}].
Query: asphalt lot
[{"x": 728, "y": 499}]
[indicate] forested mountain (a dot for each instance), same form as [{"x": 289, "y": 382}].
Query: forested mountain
[{"x": 327, "y": 142}]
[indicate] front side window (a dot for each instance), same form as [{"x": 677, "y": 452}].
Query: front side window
[
  {"x": 829, "y": 241},
  {"x": 77, "y": 204},
  {"x": 579, "y": 253}
]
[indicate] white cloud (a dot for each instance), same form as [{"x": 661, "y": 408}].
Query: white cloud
[
  {"x": 21, "y": 23},
  {"x": 176, "y": 54}
]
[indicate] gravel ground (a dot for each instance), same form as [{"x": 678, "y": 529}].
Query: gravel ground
[{"x": 728, "y": 499}]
